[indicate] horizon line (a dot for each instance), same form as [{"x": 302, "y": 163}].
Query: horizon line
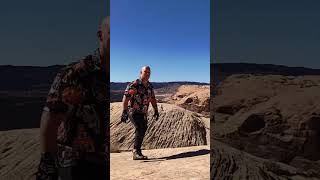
[
  {"x": 291, "y": 66},
  {"x": 165, "y": 82},
  {"x": 211, "y": 63}
]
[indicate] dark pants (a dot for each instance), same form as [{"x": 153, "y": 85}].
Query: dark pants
[
  {"x": 140, "y": 123},
  {"x": 84, "y": 170}
]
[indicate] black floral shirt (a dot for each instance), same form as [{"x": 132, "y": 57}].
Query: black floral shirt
[
  {"x": 79, "y": 92},
  {"x": 140, "y": 96}
]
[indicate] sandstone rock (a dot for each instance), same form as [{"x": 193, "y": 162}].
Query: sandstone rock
[
  {"x": 231, "y": 163},
  {"x": 165, "y": 164},
  {"x": 176, "y": 127},
  {"x": 272, "y": 117},
  {"x": 19, "y": 154},
  {"x": 195, "y": 98}
]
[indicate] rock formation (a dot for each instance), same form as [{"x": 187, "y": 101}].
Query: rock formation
[
  {"x": 272, "y": 117},
  {"x": 176, "y": 127},
  {"x": 195, "y": 98}
]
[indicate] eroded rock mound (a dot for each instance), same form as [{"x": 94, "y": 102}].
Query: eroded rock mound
[
  {"x": 272, "y": 117},
  {"x": 195, "y": 98},
  {"x": 176, "y": 127}
]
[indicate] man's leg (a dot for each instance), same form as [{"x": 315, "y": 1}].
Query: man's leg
[
  {"x": 137, "y": 121},
  {"x": 140, "y": 129},
  {"x": 143, "y": 130}
]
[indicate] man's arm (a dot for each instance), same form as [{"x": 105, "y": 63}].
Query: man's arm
[
  {"x": 154, "y": 103},
  {"x": 54, "y": 112},
  {"x": 52, "y": 116},
  {"x": 154, "y": 100},
  {"x": 48, "y": 130},
  {"x": 128, "y": 94},
  {"x": 155, "y": 107},
  {"x": 49, "y": 124},
  {"x": 125, "y": 102},
  {"x": 124, "y": 115}
]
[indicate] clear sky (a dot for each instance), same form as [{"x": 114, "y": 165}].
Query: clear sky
[
  {"x": 43, "y": 33},
  {"x": 285, "y": 32},
  {"x": 173, "y": 37}
]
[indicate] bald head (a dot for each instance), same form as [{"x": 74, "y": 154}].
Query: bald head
[
  {"x": 104, "y": 41},
  {"x": 145, "y": 73},
  {"x": 144, "y": 68},
  {"x": 105, "y": 25},
  {"x": 105, "y": 31}
]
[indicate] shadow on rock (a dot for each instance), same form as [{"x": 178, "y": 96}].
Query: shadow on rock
[{"x": 181, "y": 155}]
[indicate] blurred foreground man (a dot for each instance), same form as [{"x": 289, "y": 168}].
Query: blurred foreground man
[
  {"x": 136, "y": 99},
  {"x": 74, "y": 137}
]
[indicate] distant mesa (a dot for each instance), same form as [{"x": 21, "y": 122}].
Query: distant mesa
[{"x": 219, "y": 71}]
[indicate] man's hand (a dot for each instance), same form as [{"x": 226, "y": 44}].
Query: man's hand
[
  {"x": 156, "y": 114},
  {"x": 155, "y": 107},
  {"x": 47, "y": 169},
  {"x": 124, "y": 116}
]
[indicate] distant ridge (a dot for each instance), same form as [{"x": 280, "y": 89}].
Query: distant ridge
[
  {"x": 29, "y": 77},
  {"x": 219, "y": 71},
  {"x": 122, "y": 85}
]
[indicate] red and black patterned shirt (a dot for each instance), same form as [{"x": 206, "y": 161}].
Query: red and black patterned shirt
[
  {"x": 140, "y": 96},
  {"x": 79, "y": 92}
]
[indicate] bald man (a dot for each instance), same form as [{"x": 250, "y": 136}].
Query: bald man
[
  {"x": 73, "y": 123},
  {"x": 136, "y": 99}
]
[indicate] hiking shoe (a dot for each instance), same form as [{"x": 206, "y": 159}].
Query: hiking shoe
[
  {"x": 137, "y": 155},
  {"x": 140, "y": 153}
]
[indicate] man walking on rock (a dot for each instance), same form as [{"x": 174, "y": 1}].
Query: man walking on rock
[{"x": 136, "y": 99}]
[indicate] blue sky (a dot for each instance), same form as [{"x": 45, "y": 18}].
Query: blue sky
[
  {"x": 43, "y": 33},
  {"x": 267, "y": 32},
  {"x": 173, "y": 37}
]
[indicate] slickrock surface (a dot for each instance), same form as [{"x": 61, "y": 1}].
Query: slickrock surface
[
  {"x": 188, "y": 163},
  {"x": 19, "y": 154},
  {"x": 230, "y": 163}
]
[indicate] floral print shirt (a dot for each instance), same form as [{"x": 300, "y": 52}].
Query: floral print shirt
[
  {"x": 140, "y": 96},
  {"x": 79, "y": 92}
]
